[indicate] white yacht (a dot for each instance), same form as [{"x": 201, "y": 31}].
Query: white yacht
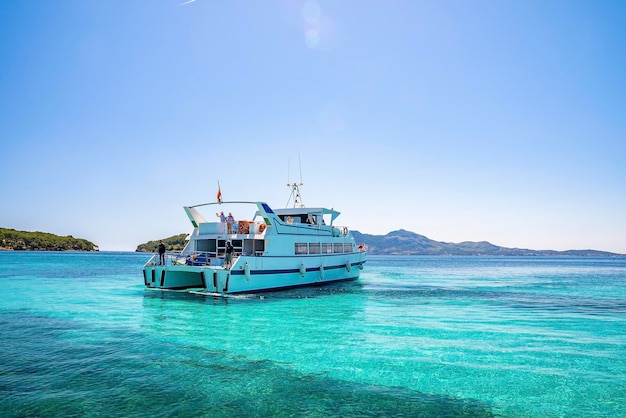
[{"x": 272, "y": 249}]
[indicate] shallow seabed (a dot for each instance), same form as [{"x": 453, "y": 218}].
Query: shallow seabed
[{"x": 415, "y": 336}]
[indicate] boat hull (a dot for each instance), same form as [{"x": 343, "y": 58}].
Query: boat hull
[{"x": 257, "y": 273}]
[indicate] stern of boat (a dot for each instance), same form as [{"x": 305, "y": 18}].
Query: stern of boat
[{"x": 171, "y": 275}]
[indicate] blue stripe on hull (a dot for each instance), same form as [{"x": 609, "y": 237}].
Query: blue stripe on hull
[{"x": 286, "y": 271}]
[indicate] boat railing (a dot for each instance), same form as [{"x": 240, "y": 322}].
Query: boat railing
[
  {"x": 169, "y": 258},
  {"x": 196, "y": 258},
  {"x": 200, "y": 258}
]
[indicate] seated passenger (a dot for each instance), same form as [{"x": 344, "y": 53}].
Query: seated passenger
[{"x": 191, "y": 259}]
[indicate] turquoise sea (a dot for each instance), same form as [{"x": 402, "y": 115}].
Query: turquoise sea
[{"x": 415, "y": 336}]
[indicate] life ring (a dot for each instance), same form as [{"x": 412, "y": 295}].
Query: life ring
[{"x": 345, "y": 230}]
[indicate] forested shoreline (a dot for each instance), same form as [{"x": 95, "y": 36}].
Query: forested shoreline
[
  {"x": 173, "y": 243},
  {"x": 11, "y": 239}
]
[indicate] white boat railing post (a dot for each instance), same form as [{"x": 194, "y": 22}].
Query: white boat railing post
[{"x": 152, "y": 260}]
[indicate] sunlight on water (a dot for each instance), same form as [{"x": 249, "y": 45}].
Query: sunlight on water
[{"x": 416, "y": 336}]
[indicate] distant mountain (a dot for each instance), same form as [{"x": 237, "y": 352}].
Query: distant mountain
[{"x": 403, "y": 242}]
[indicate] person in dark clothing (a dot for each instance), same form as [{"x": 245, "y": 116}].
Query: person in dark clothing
[
  {"x": 228, "y": 257},
  {"x": 161, "y": 253}
]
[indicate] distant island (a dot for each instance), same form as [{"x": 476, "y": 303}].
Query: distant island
[
  {"x": 403, "y": 242},
  {"x": 11, "y": 239},
  {"x": 173, "y": 243}
]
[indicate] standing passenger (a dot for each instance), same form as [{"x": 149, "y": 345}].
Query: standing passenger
[
  {"x": 229, "y": 222},
  {"x": 228, "y": 257},
  {"x": 161, "y": 253}
]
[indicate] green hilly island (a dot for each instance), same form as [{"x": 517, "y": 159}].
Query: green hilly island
[
  {"x": 173, "y": 243},
  {"x": 11, "y": 239}
]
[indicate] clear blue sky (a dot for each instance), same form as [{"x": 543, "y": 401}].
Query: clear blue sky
[{"x": 502, "y": 121}]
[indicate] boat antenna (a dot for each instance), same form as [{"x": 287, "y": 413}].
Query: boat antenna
[{"x": 295, "y": 187}]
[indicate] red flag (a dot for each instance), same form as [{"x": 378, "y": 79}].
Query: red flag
[{"x": 219, "y": 193}]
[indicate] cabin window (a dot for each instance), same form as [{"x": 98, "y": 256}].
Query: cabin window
[
  {"x": 301, "y": 248},
  {"x": 259, "y": 246},
  {"x": 205, "y": 245},
  {"x": 337, "y": 248},
  {"x": 348, "y": 248},
  {"x": 314, "y": 248},
  {"x": 327, "y": 248}
]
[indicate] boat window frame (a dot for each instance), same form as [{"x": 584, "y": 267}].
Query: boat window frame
[
  {"x": 301, "y": 248},
  {"x": 315, "y": 248}
]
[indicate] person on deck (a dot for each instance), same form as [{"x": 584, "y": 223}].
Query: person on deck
[
  {"x": 230, "y": 221},
  {"x": 161, "y": 253},
  {"x": 228, "y": 257}
]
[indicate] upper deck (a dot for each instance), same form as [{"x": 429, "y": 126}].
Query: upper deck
[{"x": 266, "y": 221}]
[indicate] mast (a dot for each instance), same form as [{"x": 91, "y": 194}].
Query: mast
[
  {"x": 295, "y": 188},
  {"x": 295, "y": 195}
]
